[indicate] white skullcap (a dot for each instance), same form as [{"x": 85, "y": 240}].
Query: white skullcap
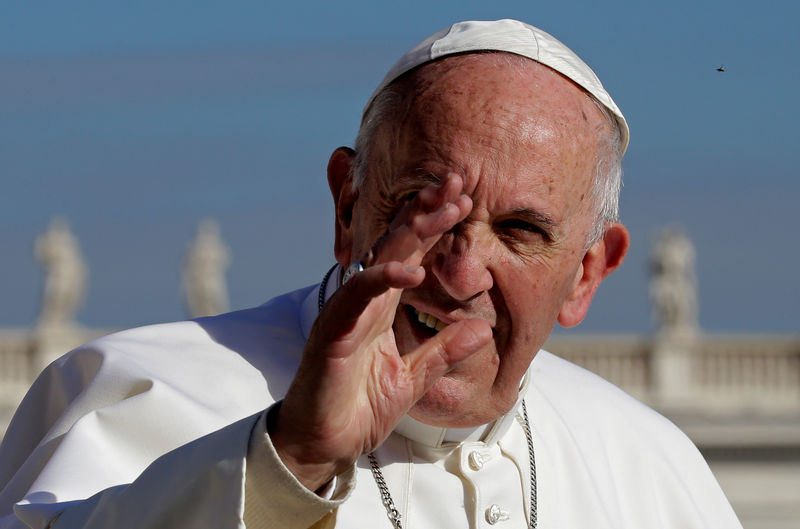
[{"x": 510, "y": 36}]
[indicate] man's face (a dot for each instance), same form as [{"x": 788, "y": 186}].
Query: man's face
[{"x": 524, "y": 140}]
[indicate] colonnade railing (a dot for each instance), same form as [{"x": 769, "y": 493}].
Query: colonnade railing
[{"x": 719, "y": 372}]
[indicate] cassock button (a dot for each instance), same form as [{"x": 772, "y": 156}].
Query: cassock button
[
  {"x": 495, "y": 514},
  {"x": 476, "y": 460}
]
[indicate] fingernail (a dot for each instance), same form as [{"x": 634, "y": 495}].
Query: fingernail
[{"x": 412, "y": 269}]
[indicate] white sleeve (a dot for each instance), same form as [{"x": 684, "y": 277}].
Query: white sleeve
[
  {"x": 143, "y": 429},
  {"x": 202, "y": 484},
  {"x": 275, "y": 498},
  {"x": 197, "y": 485}
]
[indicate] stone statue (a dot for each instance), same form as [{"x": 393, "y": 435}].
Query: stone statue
[
  {"x": 673, "y": 286},
  {"x": 65, "y": 275},
  {"x": 204, "y": 272}
]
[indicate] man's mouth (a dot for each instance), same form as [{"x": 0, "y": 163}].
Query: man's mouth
[
  {"x": 414, "y": 327},
  {"x": 429, "y": 320}
]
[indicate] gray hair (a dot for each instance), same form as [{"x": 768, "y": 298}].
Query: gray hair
[{"x": 606, "y": 182}]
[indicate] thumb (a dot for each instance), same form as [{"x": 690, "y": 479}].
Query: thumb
[{"x": 439, "y": 354}]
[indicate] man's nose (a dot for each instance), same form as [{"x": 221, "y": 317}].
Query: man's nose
[{"x": 462, "y": 264}]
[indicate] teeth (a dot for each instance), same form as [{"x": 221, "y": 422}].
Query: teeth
[{"x": 429, "y": 320}]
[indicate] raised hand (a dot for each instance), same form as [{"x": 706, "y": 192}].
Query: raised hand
[{"x": 353, "y": 385}]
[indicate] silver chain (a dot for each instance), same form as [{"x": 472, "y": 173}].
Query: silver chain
[
  {"x": 532, "y": 461},
  {"x": 386, "y": 496},
  {"x": 323, "y": 287}
]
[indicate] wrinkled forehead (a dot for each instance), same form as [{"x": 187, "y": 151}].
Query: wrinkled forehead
[
  {"x": 507, "y": 126},
  {"x": 511, "y": 101},
  {"x": 496, "y": 75}
]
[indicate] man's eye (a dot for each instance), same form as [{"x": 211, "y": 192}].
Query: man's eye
[
  {"x": 510, "y": 225},
  {"x": 522, "y": 234},
  {"x": 408, "y": 197},
  {"x": 397, "y": 203}
]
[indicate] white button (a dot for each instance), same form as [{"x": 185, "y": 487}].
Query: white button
[
  {"x": 495, "y": 514},
  {"x": 477, "y": 460}
]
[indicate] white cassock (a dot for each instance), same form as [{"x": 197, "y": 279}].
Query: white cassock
[{"x": 163, "y": 426}]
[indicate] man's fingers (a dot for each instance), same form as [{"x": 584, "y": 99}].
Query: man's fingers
[
  {"x": 434, "y": 211},
  {"x": 434, "y": 196},
  {"x": 439, "y": 354},
  {"x": 351, "y": 300},
  {"x": 431, "y": 200},
  {"x": 410, "y": 241}
]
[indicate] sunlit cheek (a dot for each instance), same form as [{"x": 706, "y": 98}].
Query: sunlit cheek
[{"x": 534, "y": 302}]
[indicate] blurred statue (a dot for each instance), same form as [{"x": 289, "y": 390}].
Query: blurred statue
[
  {"x": 204, "y": 272},
  {"x": 65, "y": 275},
  {"x": 673, "y": 285}
]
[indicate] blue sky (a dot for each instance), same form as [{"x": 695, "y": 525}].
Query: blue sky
[{"x": 136, "y": 120}]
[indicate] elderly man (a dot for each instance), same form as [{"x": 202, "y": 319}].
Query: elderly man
[{"x": 408, "y": 389}]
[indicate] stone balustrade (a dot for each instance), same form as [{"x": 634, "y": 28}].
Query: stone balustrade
[{"x": 733, "y": 373}]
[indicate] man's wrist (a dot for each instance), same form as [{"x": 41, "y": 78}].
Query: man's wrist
[
  {"x": 317, "y": 477},
  {"x": 275, "y": 497}
]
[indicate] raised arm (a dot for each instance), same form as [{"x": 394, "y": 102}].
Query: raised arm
[{"x": 353, "y": 385}]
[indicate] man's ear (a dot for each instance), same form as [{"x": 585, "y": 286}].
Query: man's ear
[
  {"x": 599, "y": 261},
  {"x": 340, "y": 180}
]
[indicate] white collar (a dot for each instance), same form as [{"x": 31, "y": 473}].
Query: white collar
[{"x": 433, "y": 436}]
